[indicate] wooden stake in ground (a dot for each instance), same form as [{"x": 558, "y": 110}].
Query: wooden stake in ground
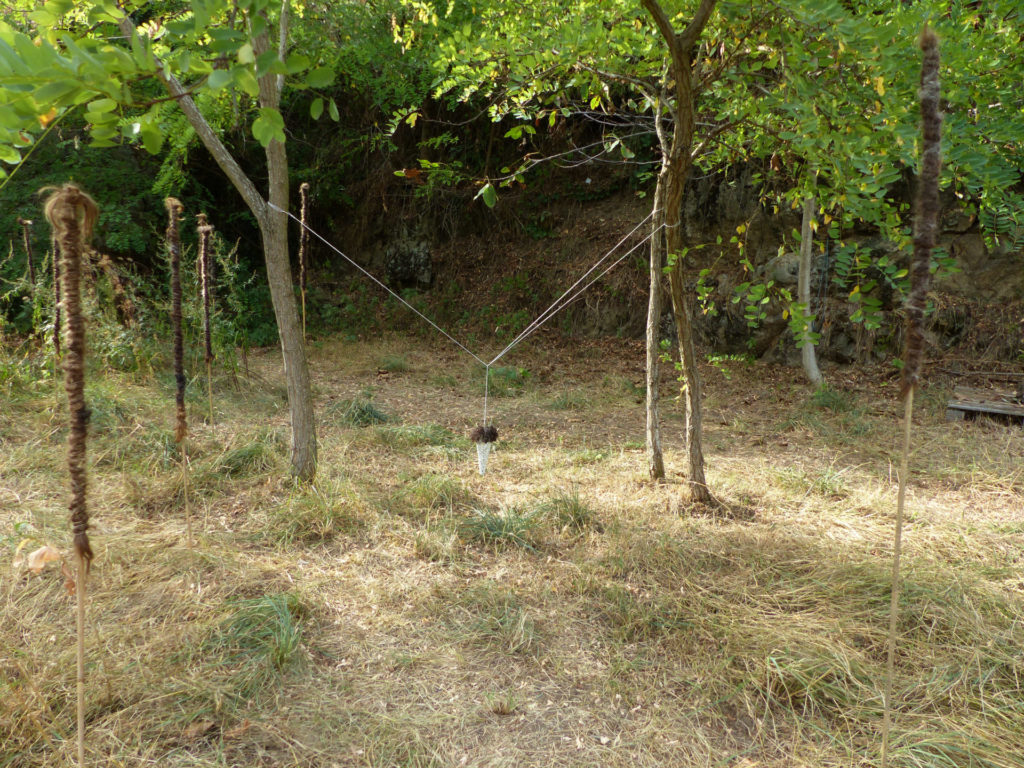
[
  {"x": 26, "y": 235},
  {"x": 303, "y": 250},
  {"x": 925, "y": 229},
  {"x": 173, "y": 239},
  {"x": 72, "y": 214},
  {"x": 205, "y": 264}
]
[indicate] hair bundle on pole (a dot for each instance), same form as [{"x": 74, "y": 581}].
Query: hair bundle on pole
[
  {"x": 925, "y": 229},
  {"x": 55, "y": 248},
  {"x": 205, "y": 264},
  {"x": 72, "y": 214},
  {"x": 26, "y": 236},
  {"x": 303, "y": 249},
  {"x": 173, "y": 239}
]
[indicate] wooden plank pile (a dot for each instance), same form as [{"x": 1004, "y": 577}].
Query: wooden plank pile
[{"x": 974, "y": 400}]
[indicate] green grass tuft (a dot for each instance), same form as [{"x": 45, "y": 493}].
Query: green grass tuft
[
  {"x": 360, "y": 412},
  {"x": 569, "y": 512},
  {"x": 314, "y": 514},
  {"x": 254, "y": 646},
  {"x": 509, "y": 527},
  {"x": 403, "y": 437}
]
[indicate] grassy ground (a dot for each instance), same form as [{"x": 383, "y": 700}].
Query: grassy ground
[{"x": 559, "y": 611}]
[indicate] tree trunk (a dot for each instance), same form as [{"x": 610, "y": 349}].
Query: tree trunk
[
  {"x": 274, "y": 233},
  {"x": 274, "y": 230},
  {"x": 804, "y": 289},
  {"x": 675, "y": 168},
  {"x": 655, "y": 460},
  {"x": 675, "y": 179}
]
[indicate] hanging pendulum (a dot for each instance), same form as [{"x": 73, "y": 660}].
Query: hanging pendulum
[{"x": 484, "y": 436}]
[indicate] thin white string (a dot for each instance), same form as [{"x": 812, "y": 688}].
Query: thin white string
[
  {"x": 523, "y": 336},
  {"x": 557, "y": 305},
  {"x": 560, "y": 303},
  {"x": 487, "y": 387},
  {"x": 441, "y": 330}
]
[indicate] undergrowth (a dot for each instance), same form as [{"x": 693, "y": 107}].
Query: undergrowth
[{"x": 404, "y": 610}]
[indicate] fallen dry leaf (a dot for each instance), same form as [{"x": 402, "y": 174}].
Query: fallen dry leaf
[
  {"x": 69, "y": 578},
  {"x": 237, "y": 731},
  {"x": 37, "y": 560},
  {"x": 196, "y": 729}
]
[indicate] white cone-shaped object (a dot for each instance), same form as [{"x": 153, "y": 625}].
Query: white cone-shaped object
[{"x": 483, "y": 450}]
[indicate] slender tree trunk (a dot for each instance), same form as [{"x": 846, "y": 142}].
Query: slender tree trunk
[
  {"x": 675, "y": 169},
  {"x": 804, "y": 288},
  {"x": 655, "y": 460},
  {"x": 274, "y": 234},
  {"x": 675, "y": 179},
  {"x": 274, "y": 230}
]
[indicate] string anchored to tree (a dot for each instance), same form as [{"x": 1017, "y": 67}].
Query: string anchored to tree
[{"x": 486, "y": 434}]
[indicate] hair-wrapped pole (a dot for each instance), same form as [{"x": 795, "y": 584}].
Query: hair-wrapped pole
[
  {"x": 205, "y": 264},
  {"x": 72, "y": 214},
  {"x": 26, "y": 236},
  {"x": 927, "y": 214},
  {"x": 925, "y": 229},
  {"x": 303, "y": 248},
  {"x": 173, "y": 238}
]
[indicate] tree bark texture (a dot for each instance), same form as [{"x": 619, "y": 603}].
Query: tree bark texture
[
  {"x": 804, "y": 288},
  {"x": 274, "y": 230},
  {"x": 655, "y": 459}
]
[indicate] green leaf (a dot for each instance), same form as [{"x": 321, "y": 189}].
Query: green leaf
[
  {"x": 268, "y": 127},
  {"x": 245, "y": 55},
  {"x": 267, "y": 63},
  {"x": 321, "y": 77},
  {"x": 218, "y": 79},
  {"x": 488, "y": 194},
  {"x": 55, "y": 90},
  {"x": 316, "y": 108},
  {"x": 9, "y": 154},
  {"x": 296, "y": 63},
  {"x": 246, "y": 80},
  {"x": 102, "y": 105},
  {"x": 152, "y": 138},
  {"x": 43, "y": 18},
  {"x": 100, "y": 118},
  {"x": 332, "y": 110}
]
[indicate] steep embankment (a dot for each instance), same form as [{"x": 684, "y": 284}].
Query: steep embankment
[{"x": 495, "y": 270}]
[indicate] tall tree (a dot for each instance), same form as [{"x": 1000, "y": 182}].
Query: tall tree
[{"x": 196, "y": 52}]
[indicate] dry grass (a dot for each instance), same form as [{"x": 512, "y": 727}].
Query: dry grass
[{"x": 558, "y": 611}]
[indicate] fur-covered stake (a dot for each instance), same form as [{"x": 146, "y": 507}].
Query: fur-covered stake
[
  {"x": 173, "y": 240},
  {"x": 484, "y": 437},
  {"x": 72, "y": 214},
  {"x": 26, "y": 235},
  {"x": 204, "y": 263},
  {"x": 925, "y": 228}
]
